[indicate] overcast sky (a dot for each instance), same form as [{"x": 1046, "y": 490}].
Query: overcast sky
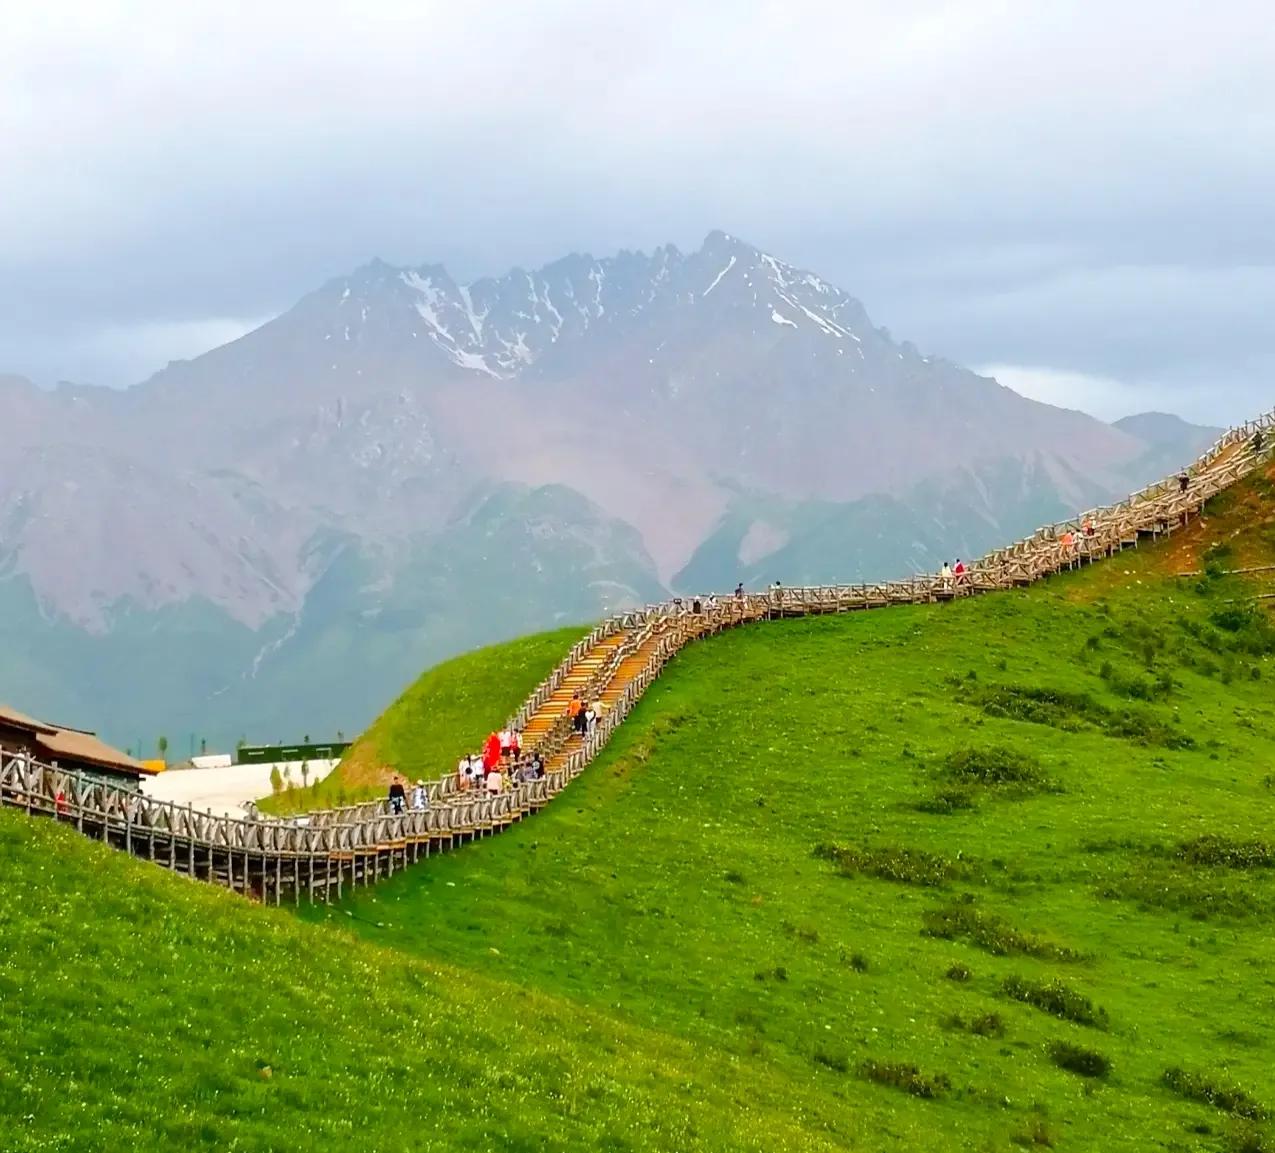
[{"x": 1080, "y": 194}]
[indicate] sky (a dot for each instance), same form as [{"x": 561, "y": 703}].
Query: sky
[{"x": 1078, "y": 197}]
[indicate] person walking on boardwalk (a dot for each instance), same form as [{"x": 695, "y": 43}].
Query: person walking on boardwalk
[
  {"x": 515, "y": 744},
  {"x": 959, "y": 571},
  {"x": 1184, "y": 482},
  {"x": 945, "y": 575},
  {"x": 398, "y": 796},
  {"x": 491, "y": 753},
  {"x": 575, "y": 710},
  {"x": 495, "y": 781},
  {"x": 739, "y": 591},
  {"x": 420, "y": 797}
]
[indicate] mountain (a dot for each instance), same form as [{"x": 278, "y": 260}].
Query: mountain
[
  {"x": 1171, "y": 442},
  {"x": 277, "y": 534}
]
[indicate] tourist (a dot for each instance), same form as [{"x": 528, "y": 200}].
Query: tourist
[
  {"x": 491, "y": 753},
  {"x": 1088, "y": 526},
  {"x": 515, "y": 743},
  {"x": 420, "y": 797},
  {"x": 945, "y": 575},
  {"x": 398, "y": 796},
  {"x": 494, "y": 782},
  {"x": 506, "y": 742},
  {"x": 590, "y": 719},
  {"x": 537, "y": 766},
  {"x": 1184, "y": 482},
  {"x": 959, "y": 571},
  {"x": 739, "y": 591},
  {"x": 1258, "y": 441},
  {"x": 575, "y": 710}
]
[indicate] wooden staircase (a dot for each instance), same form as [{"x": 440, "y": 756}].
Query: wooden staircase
[{"x": 603, "y": 673}]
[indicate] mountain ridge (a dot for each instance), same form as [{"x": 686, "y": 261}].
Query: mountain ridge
[{"x": 657, "y": 387}]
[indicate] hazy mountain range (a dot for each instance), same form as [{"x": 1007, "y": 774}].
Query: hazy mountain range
[{"x": 276, "y": 535}]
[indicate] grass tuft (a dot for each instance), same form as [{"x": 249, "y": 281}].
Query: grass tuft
[
  {"x": 1210, "y": 1090},
  {"x": 1057, "y": 999}
]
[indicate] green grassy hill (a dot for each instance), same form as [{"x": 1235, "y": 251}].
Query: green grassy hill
[
  {"x": 142, "y": 1011},
  {"x": 446, "y": 712},
  {"x": 978, "y": 876},
  {"x": 925, "y": 851}
]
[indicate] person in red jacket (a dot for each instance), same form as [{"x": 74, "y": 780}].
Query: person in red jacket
[{"x": 491, "y": 753}]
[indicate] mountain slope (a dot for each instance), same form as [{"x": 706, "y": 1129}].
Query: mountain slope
[
  {"x": 925, "y": 847},
  {"x": 116, "y": 1032},
  {"x": 305, "y": 495}
]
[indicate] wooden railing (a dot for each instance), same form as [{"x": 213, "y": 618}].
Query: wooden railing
[{"x": 318, "y": 854}]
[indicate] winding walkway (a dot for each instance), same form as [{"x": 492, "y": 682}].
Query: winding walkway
[{"x": 318, "y": 855}]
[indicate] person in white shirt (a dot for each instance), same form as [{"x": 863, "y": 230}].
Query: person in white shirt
[
  {"x": 420, "y": 797},
  {"x": 494, "y": 782}
]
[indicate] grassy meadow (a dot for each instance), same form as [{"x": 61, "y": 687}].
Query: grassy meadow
[
  {"x": 985, "y": 876},
  {"x": 981, "y": 875}
]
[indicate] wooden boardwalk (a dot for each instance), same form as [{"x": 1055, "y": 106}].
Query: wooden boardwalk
[{"x": 317, "y": 856}]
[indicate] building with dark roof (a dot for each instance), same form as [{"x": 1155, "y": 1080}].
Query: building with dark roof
[{"x": 73, "y": 749}]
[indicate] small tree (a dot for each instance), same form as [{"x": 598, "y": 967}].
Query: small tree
[
  {"x": 162, "y": 745},
  {"x": 306, "y": 739},
  {"x": 340, "y": 736},
  {"x": 203, "y": 745},
  {"x": 305, "y": 772},
  {"x": 276, "y": 781}
]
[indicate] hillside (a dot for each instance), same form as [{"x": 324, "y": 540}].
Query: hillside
[
  {"x": 232, "y": 535},
  {"x": 444, "y": 714},
  {"x": 908, "y": 858},
  {"x": 140, "y": 1011},
  {"x": 982, "y": 875}
]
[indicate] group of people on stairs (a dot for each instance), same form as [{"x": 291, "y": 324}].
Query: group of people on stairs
[
  {"x": 500, "y": 766},
  {"x": 584, "y": 715}
]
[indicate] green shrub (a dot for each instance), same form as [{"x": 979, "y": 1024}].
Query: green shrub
[
  {"x": 1057, "y": 999},
  {"x": 838, "y": 1062},
  {"x": 1038, "y": 1136},
  {"x": 948, "y": 800},
  {"x": 1206, "y": 1089},
  {"x": 958, "y": 972},
  {"x": 1211, "y": 849},
  {"x": 992, "y": 765},
  {"x": 988, "y": 1025},
  {"x": 896, "y": 863},
  {"x": 964, "y": 922},
  {"x": 1076, "y": 1059},
  {"x": 909, "y": 1078}
]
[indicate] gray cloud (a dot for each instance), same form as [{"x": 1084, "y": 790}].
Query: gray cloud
[{"x": 1078, "y": 188}]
